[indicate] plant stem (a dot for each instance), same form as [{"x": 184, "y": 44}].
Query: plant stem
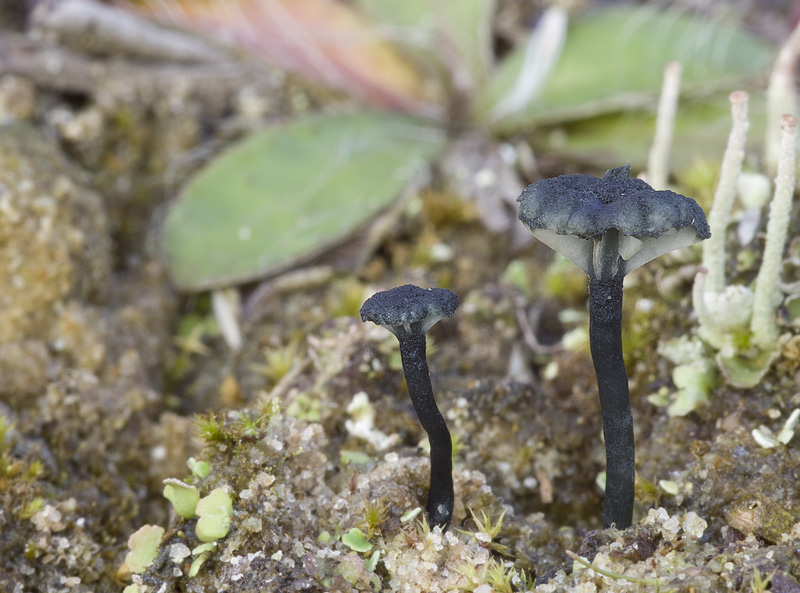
[
  {"x": 605, "y": 342},
  {"x": 418, "y": 379}
]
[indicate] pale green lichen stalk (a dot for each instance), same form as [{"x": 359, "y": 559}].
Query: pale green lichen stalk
[
  {"x": 719, "y": 217},
  {"x": 781, "y": 97},
  {"x": 763, "y": 323},
  {"x": 658, "y": 159},
  {"x": 740, "y": 324}
]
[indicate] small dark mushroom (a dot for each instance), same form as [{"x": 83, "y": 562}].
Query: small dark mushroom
[
  {"x": 408, "y": 312},
  {"x": 609, "y": 227}
]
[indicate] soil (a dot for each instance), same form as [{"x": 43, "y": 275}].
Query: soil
[{"x": 113, "y": 382}]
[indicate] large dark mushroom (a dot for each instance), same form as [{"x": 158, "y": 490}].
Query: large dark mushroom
[
  {"x": 409, "y": 312},
  {"x": 609, "y": 227}
]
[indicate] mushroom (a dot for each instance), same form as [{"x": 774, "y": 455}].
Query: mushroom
[
  {"x": 609, "y": 227},
  {"x": 409, "y": 312}
]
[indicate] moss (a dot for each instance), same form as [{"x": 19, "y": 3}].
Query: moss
[
  {"x": 279, "y": 361},
  {"x": 211, "y": 429}
]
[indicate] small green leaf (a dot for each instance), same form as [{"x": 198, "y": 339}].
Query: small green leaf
[
  {"x": 199, "y": 469},
  {"x": 669, "y": 487},
  {"x": 197, "y": 564},
  {"x": 372, "y": 563},
  {"x": 355, "y": 540},
  {"x": 289, "y": 193},
  {"x": 213, "y": 526},
  {"x": 408, "y": 515},
  {"x": 786, "y": 433},
  {"x": 204, "y": 548},
  {"x": 354, "y": 457},
  {"x": 143, "y": 546},
  {"x": 216, "y": 498},
  {"x": 659, "y": 400},
  {"x": 182, "y": 496},
  {"x": 745, "y": 372},
  {"x": 763, "y": 439},
  {"x": 215, "y": 512},
  {"x": 695, "y": 380}
]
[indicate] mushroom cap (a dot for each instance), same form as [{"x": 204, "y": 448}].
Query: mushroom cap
[
  {"x": 587, "y": 208},
  {"x": 409, "y": 310}
]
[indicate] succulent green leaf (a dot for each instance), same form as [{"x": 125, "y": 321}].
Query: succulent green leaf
[
  {"x": 182, "y": 496},
  {"x": 197, "y": 564},
  {"x": 216, "y": 498},
  {"x": 213, "y": 526},
  {"x": 199, "y": 469},
  {"x": 408, "y": 515},
  {"x": 745, "y": 372},
  {"x": 354, "y": 457},
  {"x": 614, "y": 59},
  {"x": 786, "y": 433},
  {"x": 204, "y": 549},
  {"x": 694, "y": 380},
  {"x": 143, "y": 546},
  {"x": 289, "y": 193},
  {"x": 215, "y": 512},
  {"x": 372, "y": 563},
  {"x": 355, "y": 540},
  {"x": 669, "y": 487}
]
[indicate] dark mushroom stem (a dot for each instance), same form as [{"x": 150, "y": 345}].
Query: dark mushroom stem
[
  {"x": 418, "y": 379},
  {"x": 408, "y": 312},
  {"x": 605, "y": 342},
  {"x": 609, "y": 227}
]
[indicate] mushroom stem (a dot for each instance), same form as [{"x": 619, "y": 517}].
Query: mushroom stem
[
  {"x": 609, "y": 227},
  {"x": 605, "y": 342},
  {"x": 605, "y": 256},
  {"x": 418, "y": 379}
]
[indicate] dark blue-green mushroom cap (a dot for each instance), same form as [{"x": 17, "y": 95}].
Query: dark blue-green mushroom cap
[
  {"x": 571, "y": 212},
  {"x": 409, "y": 310}
]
